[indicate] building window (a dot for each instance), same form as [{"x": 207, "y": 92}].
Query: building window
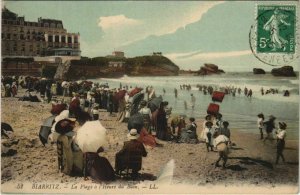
[
  {"x": 75, "y": 39},
  {"x": 69, "y": 39},
  {"x": 15, "y": 47},
  {"x": 50, "y": 38},
  {"x": 63, "y": 39},
  {"x": 2, "y": 36},
  {"x": 52, "y": 25},
  {"x": 8, "y": 35},
  {"x": 46, "y": 25},
  {"x": 56, "y": 38},
  {"x": 30, "y": 48}
]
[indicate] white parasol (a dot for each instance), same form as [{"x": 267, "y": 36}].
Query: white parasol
[
  {"x": 65, "y": 84},
  {"x": 91, "y": 136}
]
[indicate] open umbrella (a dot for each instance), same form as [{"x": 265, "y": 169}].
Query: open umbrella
[
  {"x": 65, "y": 84},
  {"x": 119, "y": 95},
  {"x": 154, "y": 103},
  {"x": 45, "y": 129},
  {"x": 136, "y": 99},
  {"x": 91, "y": 136},
  {"x": 135, "y": 91},
  {"x": 136, "y": 122}
]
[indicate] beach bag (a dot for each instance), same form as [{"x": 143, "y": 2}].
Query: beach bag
[
  {"x": 217, "y": 96},
  {"x": 213, "y": 109}
]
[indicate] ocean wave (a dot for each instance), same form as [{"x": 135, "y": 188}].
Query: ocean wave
[{"x": 295, "y": 82}]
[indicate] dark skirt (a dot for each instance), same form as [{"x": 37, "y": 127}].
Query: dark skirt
[{"x": 98, "y": 167}]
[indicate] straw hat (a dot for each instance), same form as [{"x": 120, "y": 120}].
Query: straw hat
[
  {"x": 208, "y": 123},
  {"x": 132, "y": 134}
]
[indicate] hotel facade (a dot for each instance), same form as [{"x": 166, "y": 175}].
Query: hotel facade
[{"x": 44, "y": 38}]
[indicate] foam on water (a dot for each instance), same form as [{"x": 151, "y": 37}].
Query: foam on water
[{"x": 240, "y": 111}]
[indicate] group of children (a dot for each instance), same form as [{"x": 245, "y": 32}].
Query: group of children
[
  {"x": 269, "y": 127},
  {"x": 216, "y": 134}
]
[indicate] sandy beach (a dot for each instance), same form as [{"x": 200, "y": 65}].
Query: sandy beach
[{"x": 251, "y": 162}]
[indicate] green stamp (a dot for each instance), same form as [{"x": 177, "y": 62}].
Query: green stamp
[{"x": 276, "y": 27}]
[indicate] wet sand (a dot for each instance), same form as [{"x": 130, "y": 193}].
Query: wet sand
[{"x": 251, "y": 162}]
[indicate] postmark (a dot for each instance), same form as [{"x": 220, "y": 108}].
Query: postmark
[{"x": 274, "y": 38}]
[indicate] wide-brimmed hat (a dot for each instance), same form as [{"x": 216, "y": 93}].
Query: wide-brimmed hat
[
  {"x": 207, "y": 117},
  {"x": 64, "y": 126},
  {"x": 271, "y": 117},
  {"x": 133, "y": 134},
  {"x": 208, "y": 123},
  {"x": 282, "y": 125},
  {"x": 226, "y": 123},
  {"x": 260, "y": 115},
  {"x": 219, "y": 115}
]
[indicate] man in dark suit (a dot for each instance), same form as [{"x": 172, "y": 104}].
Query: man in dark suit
[{"x": 130, "y": 156}]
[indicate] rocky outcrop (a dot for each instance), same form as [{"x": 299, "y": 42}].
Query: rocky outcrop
[
  {"x": 100, "y": 67},
  {"x": 209, "y": 69},
  {"x": 151, "y": 66},
  {"x": 258, "y": 71},
  {"x": 286, "y": 71}
]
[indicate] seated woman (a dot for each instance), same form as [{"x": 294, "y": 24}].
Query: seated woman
[
  {"x": 70, "y": 160},
  {"x": 179, "y": 123},
  {"x": 98, "y": 167},
  {"x": 130, "y": 156},
  {"x": 189, "y": 134}
]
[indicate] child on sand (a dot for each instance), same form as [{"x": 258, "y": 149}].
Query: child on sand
[
  {"x": 208, "y": 132},
  {"x": 260, "y": 124},
  {"x": 281, "y": 134},
  {"x": 221, "y": 143}
]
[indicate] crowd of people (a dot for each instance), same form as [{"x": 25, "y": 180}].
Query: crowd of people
[
  {"x": 148, "y": 118},
  {"x": 232, "y": 90}
]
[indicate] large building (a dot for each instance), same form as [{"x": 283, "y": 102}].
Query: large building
[{"x": 44, "y": 38}]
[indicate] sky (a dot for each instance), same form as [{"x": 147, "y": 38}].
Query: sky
[{"x": 190, "y": 33}]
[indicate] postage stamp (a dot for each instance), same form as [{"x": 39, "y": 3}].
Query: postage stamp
[
  {"x": 276, "y": 29},
  {"x": 273, "y": 37}
]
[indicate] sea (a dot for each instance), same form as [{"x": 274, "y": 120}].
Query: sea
[{"x": 240, "y": 111}]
